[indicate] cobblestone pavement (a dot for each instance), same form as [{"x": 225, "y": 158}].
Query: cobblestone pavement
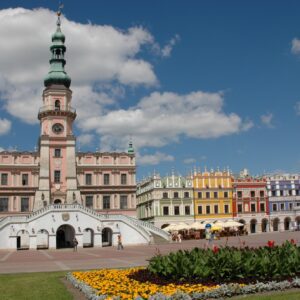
[{"x": 109, "y": 257}]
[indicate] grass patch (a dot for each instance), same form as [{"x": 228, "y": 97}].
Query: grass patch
[{"x": 33, "y": 286}]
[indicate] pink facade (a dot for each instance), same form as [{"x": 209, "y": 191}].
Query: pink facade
[
  {"x": 19, "y": 178},
  {"x": 19, "y": 172}
]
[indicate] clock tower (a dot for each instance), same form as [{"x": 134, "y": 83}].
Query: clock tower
[{"x": 57, "y": 178}]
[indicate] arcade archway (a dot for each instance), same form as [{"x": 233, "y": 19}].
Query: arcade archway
[
  {"x": 253, "y": 224},
  {"x": 264, "y": 225},
  {"x": 287, "y": 223},
  {"x": 106, "y": 237},
  {"x": 276, "y": 222},
  {"x": 64, "y": 236}
]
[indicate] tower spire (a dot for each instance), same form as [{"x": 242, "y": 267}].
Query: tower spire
[{"x": 57, "y": 73}]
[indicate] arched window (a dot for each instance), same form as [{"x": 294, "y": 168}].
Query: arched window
[{"x": 57, "y": 105}]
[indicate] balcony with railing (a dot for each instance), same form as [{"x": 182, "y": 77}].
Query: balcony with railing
[{"x": 57, "y": 110}]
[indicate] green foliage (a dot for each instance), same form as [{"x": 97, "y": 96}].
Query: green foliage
[{"x": 229, "y": 264}]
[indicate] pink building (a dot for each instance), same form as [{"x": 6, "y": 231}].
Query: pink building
[{"x": 56, "y": 174}]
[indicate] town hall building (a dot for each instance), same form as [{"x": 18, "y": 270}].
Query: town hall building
[{"x": 50, "y": 196}]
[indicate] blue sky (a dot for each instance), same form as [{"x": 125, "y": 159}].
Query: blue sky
[{"x": 241, "y": 57}]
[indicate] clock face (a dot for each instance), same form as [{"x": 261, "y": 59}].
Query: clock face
[{"x": 57, "y": 128}]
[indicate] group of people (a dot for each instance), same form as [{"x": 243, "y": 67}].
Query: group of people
[
  {"x": 120, "y": 244},
  {"x": 176, "y": 237}
]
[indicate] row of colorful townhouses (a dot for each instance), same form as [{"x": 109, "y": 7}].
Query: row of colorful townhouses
[{"x": 266, "y": 203}]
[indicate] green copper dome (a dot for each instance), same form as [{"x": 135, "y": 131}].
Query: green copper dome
[{"x": 57, "y": 73}]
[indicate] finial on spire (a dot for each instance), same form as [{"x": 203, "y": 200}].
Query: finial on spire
[{"x": 60, "y": 7}]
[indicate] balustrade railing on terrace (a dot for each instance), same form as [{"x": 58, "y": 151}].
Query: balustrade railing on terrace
[
  {"x": 145, "y": 227},
  {"x": 62, "y": 108}
]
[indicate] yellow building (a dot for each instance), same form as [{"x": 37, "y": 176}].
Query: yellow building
[{"x": 213, "y": 195}]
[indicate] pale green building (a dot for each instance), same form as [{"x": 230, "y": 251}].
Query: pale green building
[{"x": 165, "y": 200}]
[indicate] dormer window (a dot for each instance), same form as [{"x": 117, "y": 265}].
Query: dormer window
[{"x": 57, "y": 105}]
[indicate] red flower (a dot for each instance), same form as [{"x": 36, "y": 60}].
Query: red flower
[
  {"x": 271, "y": 244},
  {"x": 293, "y": 242},
  {"x": 215, "y": 249}
]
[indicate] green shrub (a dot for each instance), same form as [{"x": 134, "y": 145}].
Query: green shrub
[{"x": 229, "y": 264}]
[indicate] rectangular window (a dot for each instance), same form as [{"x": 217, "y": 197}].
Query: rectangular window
[
  {"x": 240, "y": 208},
  {"x": 252, "y": 193},
  {"x": 186, "y": 195},
  {"x": 4, "y": 177},
  {"x": 57, "y": 176},
  {"x": 281, "y": 193},
  {"x": 273, "y": 193},
  {"x": 199, "y": 195},
  {"x": 166, "y": 210},
  {"x": 291, "y": 206},
  {"x": 176, "y": 195},
  {"x": 216, "y": 208},
  {"x": 281, "y": 206},
  {"x": 123, "y": 178},
  {"x": 297, "y": 192},
  {"x": 216, "y": 195},
  {"x": 225, "y": 194},
  {"x": 89, "y": 201},
  {"x": 274, "y": 207},
  {"x": 176, "y": 210},
  {"x": 165, "y": 195},
  {"x": 200, "y": 210},
  {"x": 106, "y": 202},
  {"x": 3, "y": 204},
  {"x": 187, "y": 210},
  {"x": 106, "y": 179},
  {"x": 240, "y": 194},
  {"x": 24, "y": 204},
  {"x": 57, "y": 152},
  {"x": 261, "y": 194},
  {"x": 207, "y": 209},
  {"x": 262, "y": 207},
  {"x": 252, "y": 207},
  {"x": 88, "y": 179},
  {"x": 207, "y": 194},
  {"x": 24, "y": 179},
  {"x": 123, "y": 202},
  {"x": 290, "y": 193},
  {"x": 226, "y": 209}
]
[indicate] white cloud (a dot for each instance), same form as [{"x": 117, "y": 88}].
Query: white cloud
[
  {"x": 5, "y": 126},
  {"x": 101, "y": 60},
  {"x": 295, "y": 46},
  {"x": 2, "y": 149},
  {"x": 267, "y": 120},
  {"x": 153, "y": 159},
  {"x": 167, "y": 49},
  {"x": 85, "y": 139},
  {"x": 189, "y": 161},
  {"x": 95, "y": 54},
  {"x": 161, "y": 118}
]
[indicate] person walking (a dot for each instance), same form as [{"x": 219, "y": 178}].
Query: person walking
[
  {"x": 75, "y": 243},
  {"x": 120, "y": 245}
]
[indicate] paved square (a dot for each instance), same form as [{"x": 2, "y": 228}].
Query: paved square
[{"x": 110, "y": 257}]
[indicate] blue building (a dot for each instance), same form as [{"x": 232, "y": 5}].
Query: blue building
[{"x": 284, "y": 201}]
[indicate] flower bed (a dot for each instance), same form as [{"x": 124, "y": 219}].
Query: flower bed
[
  {"x": 196, "y": 274},
  {"x": 116, "y": 284},
  {"x": 111, "y": 282}
]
